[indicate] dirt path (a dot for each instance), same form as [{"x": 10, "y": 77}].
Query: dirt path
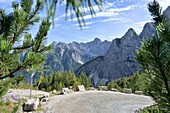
[{"x": 96, "y": 102}]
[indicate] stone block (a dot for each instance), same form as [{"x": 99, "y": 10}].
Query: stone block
[
  {"x": 103, "y": 88},
  {"x": 126, "y": 90},
  {"x": 31, "y": 104},
  {"x": 139, "y": 92},
  {"x": 114, "y": 89},
  {"x": 65, "y": 91},
  {"x": 81, "y": 88},
  {"x": 54, "y": 91},
  {"x": 71, "y": 87},
  {"x": 91, "y": 88}
]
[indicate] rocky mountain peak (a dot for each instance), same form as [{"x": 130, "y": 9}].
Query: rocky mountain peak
[
  {"x": 97, "y": 40},
  {"x": 72, "y": 55},
  {"x": 54, "y": 43},
  {"x": 167, "y": 12},
  {"x": 130, "y": 33},
  {"x": 148, "y": 31}
]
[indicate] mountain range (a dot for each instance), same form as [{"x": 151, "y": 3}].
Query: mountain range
[
  {"x": 69, "y": 57},
  {"x": 119, "y": 61},
  {"x": 102, "y": 61}
]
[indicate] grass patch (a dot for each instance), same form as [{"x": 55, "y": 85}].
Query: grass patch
[
  {"x": 9, "y": 107},
  {"x": 39, "y": 109}
]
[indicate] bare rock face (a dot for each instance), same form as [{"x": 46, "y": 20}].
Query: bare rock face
[
  {"x": 167, "y": 12},
  {"x": 68, "y": 57},
  {"x": 148, "y": 31},
  {"x": 120, "y": 58},
  {"x": 119, "y": 61}
]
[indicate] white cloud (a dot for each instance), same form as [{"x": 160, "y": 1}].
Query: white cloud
[
  {"x": 142, "y": 23},
  {"x": 110, "y": 12},
  {"x": 89, "y": 23},
  {"x": 106, "y": 6},
  {"x": 110, "y": 37},
  {"x": 57, "y": 19},
  {"x": 111, "y": 19},
  {"x": 99, "y": 14},
  {"x": 164, "y": 3},
  {"x": 9, "y": 10},
  {"x": 57, "y": 25},
  {"x": 130, "y": 7},
  {"x": 139, "y": 25},
  {"x": 86, "y": 23},
  {"x": 122, "y": 20},
  {"x": 122, "y": 1},
  {"x": 109, "y": 3},
  {"x": 6, "y": 1},
  {"x": 63, "y": 15},
  {"x": 83, "y": 28},
  {"x": 84, "y": 10}
]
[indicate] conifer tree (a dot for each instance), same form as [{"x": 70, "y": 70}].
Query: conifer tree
[
  {"x": 154, "y": 58},
  {"x": 16, "y": 39},
  {"x": 84, "y": 80}
]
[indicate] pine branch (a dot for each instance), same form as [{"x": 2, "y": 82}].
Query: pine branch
[
  {"x": 11, "y": 74},
  {"x": 22, "y": 48},
  {"x": 156, "y": 11}
]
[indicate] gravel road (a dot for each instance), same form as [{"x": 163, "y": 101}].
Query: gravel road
[{"x": 96, "y": 102}]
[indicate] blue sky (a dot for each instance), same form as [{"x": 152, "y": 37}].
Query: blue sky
[{"x": 116, "y": 17}]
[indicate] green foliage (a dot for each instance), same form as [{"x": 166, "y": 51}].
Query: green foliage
[
  {"x": 101, "y": 84},
  {"x": 74, "y": 7},
  {"x": 60, "y": 80},
  {"x": 135, "y": 82},
  {"x": 10, "y": 107},
  {"x": 84, "y": 80},
  {"x": 154, "y": 58},
  {"x": 151, "y": 109},
  {"x": 15, "y": 109},
  {"x": 16, "y": 38},
  {"x": 156, "y": 10}
]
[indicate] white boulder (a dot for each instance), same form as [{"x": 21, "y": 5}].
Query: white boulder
[
  {"x": 104, "y": 88},
  {"x": 126, "y": 90},
  {"x": 65, "y": 91},
  {"x": 114, "y": 89},
  {"x": 81, "y": 88},
  {"x": 139, "y": 92},
  {"x": 54, "y": 91}
]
